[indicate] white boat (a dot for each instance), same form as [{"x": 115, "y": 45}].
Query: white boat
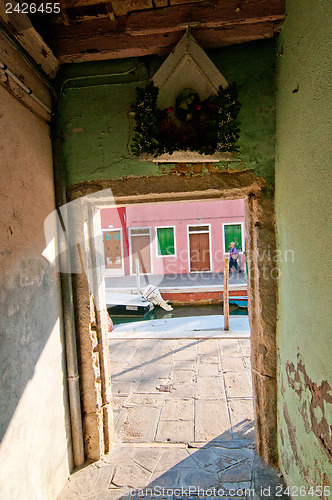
[{"x": 126, "y": 304}]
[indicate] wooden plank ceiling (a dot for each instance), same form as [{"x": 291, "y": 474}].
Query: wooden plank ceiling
[{"x": 89, "y": 30}]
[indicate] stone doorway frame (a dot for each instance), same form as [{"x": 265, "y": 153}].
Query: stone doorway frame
[{"x": 91, "y": 331}]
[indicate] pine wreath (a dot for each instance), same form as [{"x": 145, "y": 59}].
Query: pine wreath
[{"x": 207, "y": 126}]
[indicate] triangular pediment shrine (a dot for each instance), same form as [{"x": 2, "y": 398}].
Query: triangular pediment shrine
[
  {"x": 188, "y": 66},
  {"x": 187, "y": 113}
]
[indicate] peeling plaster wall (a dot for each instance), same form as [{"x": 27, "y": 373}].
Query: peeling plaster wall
[
  {"x": 96, "y": 125},
  {"x": 303, "y": 216},
  {"x": 35, "y": 450},
  {"x": 94, "y": 128}
]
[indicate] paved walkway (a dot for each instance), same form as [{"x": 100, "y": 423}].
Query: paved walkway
[
  {"x": 183, "y": 418},
  {"x": 205, "y": 379},
  {"x": 171, "y": 281}
]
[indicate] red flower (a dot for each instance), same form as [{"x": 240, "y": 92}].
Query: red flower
[
  {"x": 198, "y": 107},
  {"x": 211, "y": 104},
  {"x": 170, "y": 109}
]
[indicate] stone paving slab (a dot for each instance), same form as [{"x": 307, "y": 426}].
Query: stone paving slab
[
  {"x": 122, "y": 354},
  {"x": 131, "y": 474},
  {"x": 181, "y": 391},
  {"x": 231, "y": 347},
  {"x": 237, "y": 473},
  {"x": 140, "y": 424},
  {"x": 210, "y": 388},
  {"x": 148, "y": 469},
  {"x": 208, "y": 370},
  {"x": 149, "y": 385},
  {"x": 185, "y": 365},
  {"x": 121, "y": 388},
  {"x": 208, "y": 347},
  {"x": 185, "y": 354},
  {"x": 145, "y": 400},
  {"x": 183, "y": 376},
  {"x": 175, "y": 457},
  {"x": 237, "y": 385},
  {"x": 211, "y": 420},
  {"x": 178, "y": 410},
  {"x": 209, "y": 359},
  {"x": 148, "y": 461},
  {"x": 232, "y": 363},
  {"x": 157, "y": 370},
  {"x": 241, "y": 410},
  {"x": 175, "y": 431},
  {"x": 128, "y": 375}
]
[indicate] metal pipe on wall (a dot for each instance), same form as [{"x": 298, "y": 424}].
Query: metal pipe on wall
[
  {"x": 68, "y": 319},
  {"x": 72, "y": 371}
]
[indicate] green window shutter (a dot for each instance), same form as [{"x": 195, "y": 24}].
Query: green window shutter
[
  {"x": 165, "y": 236},
  {"x": 233, "y": 233}
]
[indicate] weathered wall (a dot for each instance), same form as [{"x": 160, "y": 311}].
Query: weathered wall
[
  {"x": 94, "y": 114},
  {"x": 95, "y": 126},
  {"x": 35, "y": 450},
  {"x": 303, "y": 215}
]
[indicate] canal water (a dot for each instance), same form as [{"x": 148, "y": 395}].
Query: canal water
[{"x": 183, "y": 312}]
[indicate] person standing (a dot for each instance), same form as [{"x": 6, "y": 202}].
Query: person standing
[{"x": 233, "y": 256}]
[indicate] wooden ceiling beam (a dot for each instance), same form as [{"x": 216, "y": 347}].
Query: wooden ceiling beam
[
  {"x": 108, "y": 41},
  {"x": 70, "y": 4},
  {"x": 217, "y": 23},
  {"x": 205, "y": 15},
  {"x": 120, "y": 7},
  {"x": 20, "y": 28}
]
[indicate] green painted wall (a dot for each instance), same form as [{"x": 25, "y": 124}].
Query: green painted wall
[
  {"x": 303, "y": 217},
  {"x": 94, "y": 113}
]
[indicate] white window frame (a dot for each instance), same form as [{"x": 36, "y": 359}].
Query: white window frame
[
  {"x": 114, "y": 272},
  {"x": 210, "y": 244},
  {"x": 157, "y": 246},
  {"x": 133, "y": 271},
  {"x": 223, "y": 234}
]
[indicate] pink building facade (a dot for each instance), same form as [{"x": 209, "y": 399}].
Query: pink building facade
[{"x": 172, "y": 238}]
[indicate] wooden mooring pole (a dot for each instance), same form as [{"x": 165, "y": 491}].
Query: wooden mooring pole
[
  {"x": 226, "y": 297},
  {"x": 138, "y": 285}
]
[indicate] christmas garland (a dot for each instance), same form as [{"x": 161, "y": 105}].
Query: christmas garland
[{"x": 207, "y": 126}]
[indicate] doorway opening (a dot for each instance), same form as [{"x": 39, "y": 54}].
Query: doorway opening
[
  {"x": 180, "y": 248},
  {"x": 261, "y": 295},
  {"x": 181, "y": 389}
]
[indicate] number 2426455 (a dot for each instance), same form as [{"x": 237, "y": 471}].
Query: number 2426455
[{"x": 33, "y": 8}]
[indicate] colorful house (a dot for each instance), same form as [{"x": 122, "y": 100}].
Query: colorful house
[{"x": 172, "y": 238}]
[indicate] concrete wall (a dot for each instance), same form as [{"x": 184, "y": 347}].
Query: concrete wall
[
  {"x": 35, "y": 450},
  {"x": 303, "y": 216}
]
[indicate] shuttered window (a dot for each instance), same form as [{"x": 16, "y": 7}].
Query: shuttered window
[
  {"x": 165, "y": 238},
  {"x": 233, "y": 232}
]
